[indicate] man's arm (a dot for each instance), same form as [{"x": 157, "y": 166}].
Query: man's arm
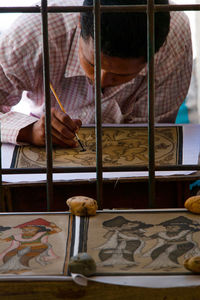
[
  {"x": 21, "y": 69},
  {"x": 20, "y": 60}
]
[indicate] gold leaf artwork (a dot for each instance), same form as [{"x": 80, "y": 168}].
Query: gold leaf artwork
[{"x": 121, "y": 146}]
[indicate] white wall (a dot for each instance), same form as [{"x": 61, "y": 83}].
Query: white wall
[
  {"x": 8, "y": 18},
  {"x": 193, "y": 98}
]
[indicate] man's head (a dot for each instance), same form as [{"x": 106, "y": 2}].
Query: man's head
[
  {"x": 125, "y": 34},
  {"x": 123, "y": 41}
]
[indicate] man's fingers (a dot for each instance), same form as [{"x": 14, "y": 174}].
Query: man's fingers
[
  {"x": 59, "y": 139},
  {"x": 65, "y": 120},
  {"x": 78, "y": 123},
  {"x": 62, "y": 129}
]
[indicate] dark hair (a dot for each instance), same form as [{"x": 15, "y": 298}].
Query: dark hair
[{"x": 125, "y": 34}]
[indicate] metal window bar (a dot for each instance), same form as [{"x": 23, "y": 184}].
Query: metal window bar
[
  {"x": 97, "y": 60},
  {"x": 46, "y": 77},
  {"x": 151, "y": 96},
  {"x": 150, "y": 8},
  {"x": 1, "y": 185},
  {"x": 108, "y": 8}
]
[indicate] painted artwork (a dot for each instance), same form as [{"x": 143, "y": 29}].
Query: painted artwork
[
  {"x": 121, "y": 243},
  {"x": 142, "y": 243},
  {"x": 34, "y": 244},
  {"x": 121, "y": 146}
]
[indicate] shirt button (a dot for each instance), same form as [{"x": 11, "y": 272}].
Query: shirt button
[{"x": 84, "y": 114}]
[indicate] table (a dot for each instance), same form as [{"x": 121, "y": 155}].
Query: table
[
  {"x": 122, "y": 193},
  {"x": 33, "y": 286},
  {"x": 52, "y": 290}
]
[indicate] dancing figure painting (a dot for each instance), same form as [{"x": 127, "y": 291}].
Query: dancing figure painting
[
  {"x": 142, "y": 243},
  {"x": 33, "y": 245}
]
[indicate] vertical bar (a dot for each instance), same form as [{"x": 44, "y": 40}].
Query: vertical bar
[
  {"x": 46, "y": 76},
  {"x": 150, "y": 55},
  {"x": 97, "y": 63},
  {"x": 1, "y": 186}
]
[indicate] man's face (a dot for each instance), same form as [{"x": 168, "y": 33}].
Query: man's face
[{"x": 114, "y": 70}]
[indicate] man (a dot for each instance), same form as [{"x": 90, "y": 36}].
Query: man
[{"x": 71, "y": 51}]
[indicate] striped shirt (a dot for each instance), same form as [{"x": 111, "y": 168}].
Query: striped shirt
[{"x": 21, "y": 70}]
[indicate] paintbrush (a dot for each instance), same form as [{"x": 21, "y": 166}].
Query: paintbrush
[{"x": 62, "y": 108}]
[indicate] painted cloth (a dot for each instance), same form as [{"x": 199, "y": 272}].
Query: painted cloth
[{"x": 21, "y": 70}]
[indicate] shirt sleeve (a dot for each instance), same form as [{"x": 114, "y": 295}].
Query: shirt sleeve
[
  {"x": 173, "y": 90},
  {"x": 174, "y": 75},
  {"x": 20, "y": 70},
  {"x": 11, "y": 123},
  {"x": 173, "y": 68},
  {"x": 21, "y": 61}
]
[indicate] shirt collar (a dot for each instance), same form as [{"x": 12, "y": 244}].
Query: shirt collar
[{"x": 73, "y": 67}]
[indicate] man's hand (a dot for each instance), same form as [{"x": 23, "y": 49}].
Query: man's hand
[{"x": 63, "y": 129}]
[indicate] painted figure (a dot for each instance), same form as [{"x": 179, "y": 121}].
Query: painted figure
[
  {"x": 31, "y": 242},
  {"x": 176, "y": 240},
  {"x": 125, "y": 238}
]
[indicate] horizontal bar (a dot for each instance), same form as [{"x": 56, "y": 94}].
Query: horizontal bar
[
  {"x": 105, "y": 169},
  {"x": 103, "y": 8},
  {"x": 143, "y": 8},
  {"x": 50, "y": 9},
  {"x": 177, "y": 7}
]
